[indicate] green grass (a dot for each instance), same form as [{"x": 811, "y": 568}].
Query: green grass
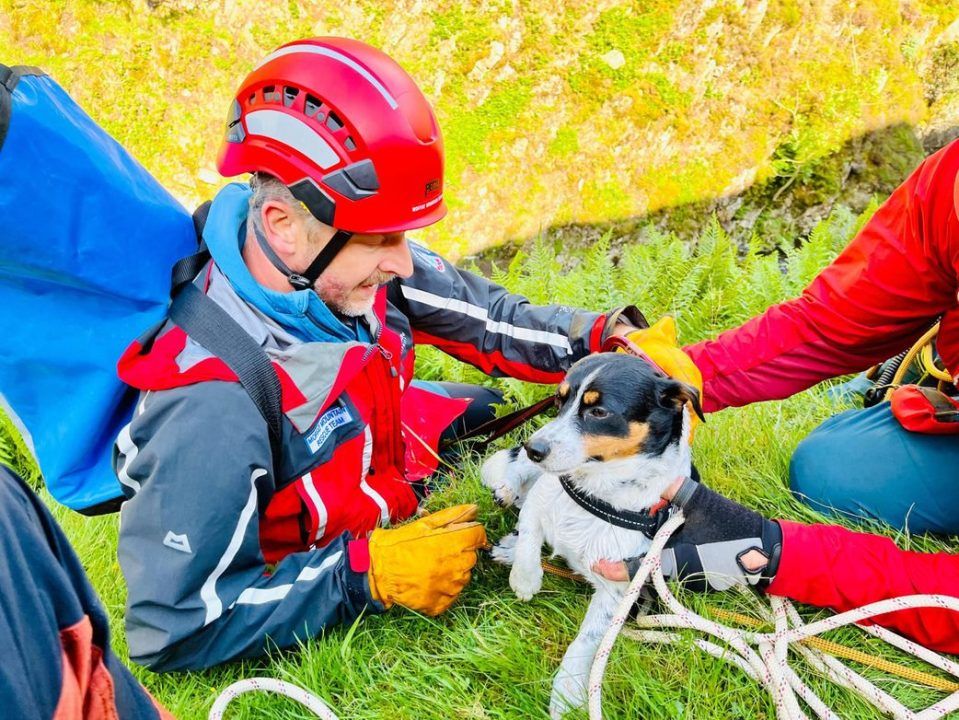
[
  {"x": 492, "y": 656},
  {"x": 550, "y": 134}
]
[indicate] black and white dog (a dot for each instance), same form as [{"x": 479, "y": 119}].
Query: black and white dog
[{"x": 585, "y": 483}]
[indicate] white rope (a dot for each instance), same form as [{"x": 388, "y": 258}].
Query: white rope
[
  {"x": 763, "y": 656},
  {"x": 766, "y": 663},
  {"x": 280, "y": 687}
]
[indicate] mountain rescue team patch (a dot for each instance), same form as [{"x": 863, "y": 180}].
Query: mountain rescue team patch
[{"x": 324, "y": 427}]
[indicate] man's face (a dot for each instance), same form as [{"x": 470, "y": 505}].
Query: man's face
[{"x": 349, "y": 283}]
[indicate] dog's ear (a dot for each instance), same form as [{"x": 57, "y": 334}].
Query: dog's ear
[{"x": 675, "y": 394}]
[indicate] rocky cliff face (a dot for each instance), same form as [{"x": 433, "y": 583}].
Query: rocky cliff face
[{"x": 556, "y": 115}]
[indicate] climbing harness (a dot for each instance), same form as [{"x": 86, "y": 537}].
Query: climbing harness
[{"x": 889, "y": 376}]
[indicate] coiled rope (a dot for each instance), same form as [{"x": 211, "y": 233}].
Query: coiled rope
[{"x": 763, "y": 656}]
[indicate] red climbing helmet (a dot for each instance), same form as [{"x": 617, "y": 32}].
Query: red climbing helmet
[{"x": 346, "y": 129}]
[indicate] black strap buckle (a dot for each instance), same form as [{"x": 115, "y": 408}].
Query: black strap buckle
[{"x": 299, "y": 282}]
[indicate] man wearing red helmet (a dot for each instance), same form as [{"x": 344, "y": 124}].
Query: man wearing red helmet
[{"x": 228, "y": 548}]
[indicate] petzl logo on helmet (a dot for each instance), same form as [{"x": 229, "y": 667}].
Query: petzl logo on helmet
[{"x": 431, "y": 187}]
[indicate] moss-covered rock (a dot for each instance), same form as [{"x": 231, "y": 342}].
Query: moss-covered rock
[{"x": 940, "y": 71}]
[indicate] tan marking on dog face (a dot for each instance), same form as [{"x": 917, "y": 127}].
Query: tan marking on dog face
[
  {"x": 590, "y": 397},
  {"x": 607, "y": 448},
  {"x": 563, "y": 390}
]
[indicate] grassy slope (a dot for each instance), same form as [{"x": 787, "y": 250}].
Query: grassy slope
[
  {"x": 711, "y": 97},
  {"x": 492, "y": 657},
  {"x": 593, "y": 112}
]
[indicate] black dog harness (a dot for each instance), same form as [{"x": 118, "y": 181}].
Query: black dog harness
[{"x": 647, "y": 522}]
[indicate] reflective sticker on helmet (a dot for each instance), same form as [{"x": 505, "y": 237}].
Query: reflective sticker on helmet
[
  {"x": 293, "y": 133},
  {"x": 339, "y": 57}
]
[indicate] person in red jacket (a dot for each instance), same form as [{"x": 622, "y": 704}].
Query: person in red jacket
[{"x": 897, "y": 277}]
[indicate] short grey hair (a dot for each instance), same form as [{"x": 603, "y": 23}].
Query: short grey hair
[{"x": 267, "y": 188}]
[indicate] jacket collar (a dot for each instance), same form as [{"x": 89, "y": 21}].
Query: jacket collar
[{"x": 300, "y": 312}]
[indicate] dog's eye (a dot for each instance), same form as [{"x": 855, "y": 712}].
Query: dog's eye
[{"x": 598, "y": 413}]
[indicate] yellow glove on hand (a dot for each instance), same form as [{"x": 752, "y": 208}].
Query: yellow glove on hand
[
  {"x": 659, "y": 342},
  {"x": 425, "y": 564}
]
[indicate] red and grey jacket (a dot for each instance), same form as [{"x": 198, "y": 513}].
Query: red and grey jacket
[
  {"x": 224, "y": 553},
  {"x": 899, "y": 274}
]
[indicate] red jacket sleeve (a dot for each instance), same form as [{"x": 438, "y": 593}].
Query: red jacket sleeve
[
  {"x": 829, "y": 566},
  {"x": 883, "y": 291}
]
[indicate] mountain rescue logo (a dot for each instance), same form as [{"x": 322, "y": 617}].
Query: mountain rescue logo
[
  {"x": 427, "y": 204},
  {"x": 324, "y": 427}
]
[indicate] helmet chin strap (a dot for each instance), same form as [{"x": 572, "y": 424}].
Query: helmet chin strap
[{"x": 306, "y": 279}]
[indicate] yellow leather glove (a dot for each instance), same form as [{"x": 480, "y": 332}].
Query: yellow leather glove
[
  {"x": 659, "y": 342},
  {"x": 425, "y": 564}
]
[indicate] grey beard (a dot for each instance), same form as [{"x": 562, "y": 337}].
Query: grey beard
[{"x": 350, "y": 309}]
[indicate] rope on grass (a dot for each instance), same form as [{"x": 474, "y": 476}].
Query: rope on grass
[
  {"x": 767, "y": 664},
  {"x": 841, "y": 651},
  {"x": 280, "y": 687},
  {"x": 763, "y": 656}
]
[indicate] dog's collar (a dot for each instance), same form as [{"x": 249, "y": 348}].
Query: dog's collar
[{"x": 647, "y": 522}]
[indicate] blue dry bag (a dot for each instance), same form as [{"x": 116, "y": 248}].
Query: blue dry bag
[{"x": 87, "y": 240}]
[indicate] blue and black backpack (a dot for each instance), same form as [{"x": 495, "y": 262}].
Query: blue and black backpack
[{"x": 87, "y": 242}]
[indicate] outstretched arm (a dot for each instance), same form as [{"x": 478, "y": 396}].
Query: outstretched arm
[
  {"x": 501, "y": 333},
  {"x": 897, "y": 276},
  {"x": 723, "y": 543}
]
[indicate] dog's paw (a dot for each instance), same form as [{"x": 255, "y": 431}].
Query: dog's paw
[
  {"x": 504, "y": 551},
  {"x": 526, "y": 582},
  {"x": 569, "y": 693},
  {"x": 509, "y": 474}
]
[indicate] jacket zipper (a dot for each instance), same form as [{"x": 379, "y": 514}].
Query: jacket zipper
[{"x": 382, "y": 411}]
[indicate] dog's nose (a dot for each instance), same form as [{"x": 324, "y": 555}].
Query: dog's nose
[{"x": 537, "y": 450}]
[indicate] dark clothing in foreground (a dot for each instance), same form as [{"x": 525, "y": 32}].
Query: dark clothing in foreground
[{"x": 54, "y": 632}]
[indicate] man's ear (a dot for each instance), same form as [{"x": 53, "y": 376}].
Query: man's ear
[
  {"x": 281, "y": 226},
  {"x": 675, "y": 394}
]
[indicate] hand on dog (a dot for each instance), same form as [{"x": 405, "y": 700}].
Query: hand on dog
[{"x": 721, "y": 544}]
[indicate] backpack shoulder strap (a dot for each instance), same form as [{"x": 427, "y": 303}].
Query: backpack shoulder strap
[
  {"x": 9, "y": 77},
  {"x": 186, "y": 269},
  {"x": 213, "y": 328}
]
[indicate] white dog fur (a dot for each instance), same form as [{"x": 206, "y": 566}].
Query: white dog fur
[{"x": 549, "y": 515}]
